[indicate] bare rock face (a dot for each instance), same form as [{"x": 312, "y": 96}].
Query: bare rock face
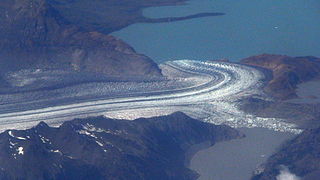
[
  {"x": 100, "y": 148},
  {"x": 34, "y": 35},
  {"x": 287, "y": 72}
]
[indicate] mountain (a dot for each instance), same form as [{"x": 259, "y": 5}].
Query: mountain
[
  {"x": 102, "y": 148},
  {"x": 300, "y": 156},
  {"x": 287, "y": 72},
  {"x": 35, "y": 35}
]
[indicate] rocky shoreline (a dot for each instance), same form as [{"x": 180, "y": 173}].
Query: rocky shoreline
[{"x": 298, "y": 158}]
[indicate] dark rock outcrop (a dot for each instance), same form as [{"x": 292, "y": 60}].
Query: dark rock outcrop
[
  {"x": 35, "y": 35},
  {"x": 287, "y": 72},
  {"x": 300, "y": 155},
  {"x": 101, "y": 148}
]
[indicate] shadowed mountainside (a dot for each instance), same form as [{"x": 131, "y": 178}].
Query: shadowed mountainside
[
  {"x": 72, "y": 35},
  {"x": 101, "y": 148},
  {"x": 35, "y": 35},
  {"x": 300, "y": 155}
]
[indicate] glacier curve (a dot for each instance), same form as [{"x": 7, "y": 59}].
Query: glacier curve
[{"x": 209, "y": 91}]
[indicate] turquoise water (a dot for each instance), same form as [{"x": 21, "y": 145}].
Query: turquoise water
[{"x": 249, "y": 27}]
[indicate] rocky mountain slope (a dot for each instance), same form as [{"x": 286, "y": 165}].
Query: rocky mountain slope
[
  {"x": 286, "y": 71},
  {"x": 300, "y": 156},
  {"x": 285, "y": 74},
  {"x": 101, "y": 148},
  {"x": 35, "y": 35}
]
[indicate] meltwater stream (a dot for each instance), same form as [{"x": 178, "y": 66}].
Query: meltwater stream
[{"x": 209, "y": 91}]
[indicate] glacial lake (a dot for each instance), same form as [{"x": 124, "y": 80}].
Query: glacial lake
[
  {"x": 250, "y": 27},
  {"x": 237, "y": 159}
]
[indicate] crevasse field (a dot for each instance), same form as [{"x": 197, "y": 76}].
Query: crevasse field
[{"x": 210, "y": 91}]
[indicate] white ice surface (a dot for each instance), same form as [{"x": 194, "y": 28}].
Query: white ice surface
[{"x": 205, "y": 90}]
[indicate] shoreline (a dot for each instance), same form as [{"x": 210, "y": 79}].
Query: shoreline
[
  {"x": 263, "y": 143},
  {"x": 181, "y": 18}
]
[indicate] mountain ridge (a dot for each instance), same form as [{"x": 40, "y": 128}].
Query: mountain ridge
[
  {"x": 287, "y": 72},
  {"x": 35, "y": 35},
  {"x": 300, "y": 155},
  {"x": 102, "y": 148}
]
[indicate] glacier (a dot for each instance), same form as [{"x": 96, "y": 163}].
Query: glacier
[{"x": 206, "y": 90}]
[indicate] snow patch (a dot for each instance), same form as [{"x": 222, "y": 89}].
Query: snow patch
[
  {"x": 99, "y": 143},
  {"x": 20, "y": 150},
  {"x": 10, "y": 134},
  {"x": 12, "y": 144},
  {"x": 92, "y": 128},
  {"x": 44, "y": 140},
  {"x": 17, "y": 137},
  {"x": 85, "y": 132},
  {"x": 21, "y": 138},
  {"x": 56, "y": 151}
]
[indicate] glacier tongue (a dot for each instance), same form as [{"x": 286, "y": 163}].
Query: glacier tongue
[{"x": 205, "y": 90}]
